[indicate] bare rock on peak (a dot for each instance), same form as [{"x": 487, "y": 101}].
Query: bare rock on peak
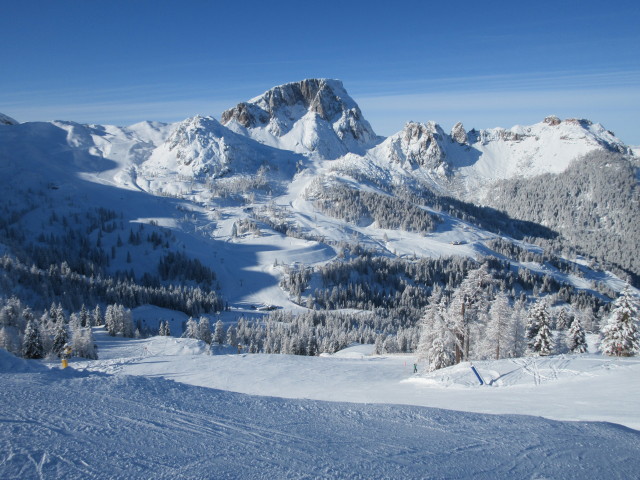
[
  {"x": 552, "y": 120},
  {"x": 313, "y": 115},
  {"x": 459, "y": 134}
]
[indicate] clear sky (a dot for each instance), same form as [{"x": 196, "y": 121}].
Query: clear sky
[{"x": 486, "y": 64}]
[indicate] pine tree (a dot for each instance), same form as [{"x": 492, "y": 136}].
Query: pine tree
[
  {"x": 469, "y": 304},
  {"x": 60, "y": 339},
  {"x": 32, "y": 343},
  {"x": 438, "y": 356},
  {"x": 575, "y": 338},
  {"x": 219, "y": 333},
  {"x": 498, "y": 339},
  {"x": 518, "y": 320},
  {"x": 543, "y": 342},
  {"x": 191, "y": 330},
  {"x": 161, "y": 329},
  {"x": 563, "y": 320},
  {"x": 126, "y": 322},
  {"x": 620, "y": 336},
  {"x": 533, "y": 321},
  {"x": 232, "y": 337},
  {"x": 97, "y": 316},
  {"x": 85, "y": 317},
  {"x": 204, "y": 330},
  {"x": 538, "y": 331},
  {"x": 83, "y": 343},
  {"x": 110, "y": 321},
  {"x": 435, "y": 332},
  {"x": 7, "y": 339}
]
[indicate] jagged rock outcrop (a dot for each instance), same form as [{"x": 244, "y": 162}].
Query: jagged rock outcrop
[
  {"x": 459, "y": 134},
  {"x": 313, "y": 115},
  {"x": 418, "y": 144},
  {"x": 552, "y": 120}
]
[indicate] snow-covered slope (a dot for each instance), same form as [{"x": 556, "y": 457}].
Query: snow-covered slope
[
  {"x": 467, "y": 163},
  {"x": 310, "y": 116},
  {"x": 81, "y": 424},
  {"x": 514, "y": 386},
  {"x": 202, "y": 147}
]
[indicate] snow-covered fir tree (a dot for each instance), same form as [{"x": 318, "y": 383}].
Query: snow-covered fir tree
[
  {"x": 439, "y": 357},
  {"x": 32, "y": 343},
  {"x": 538, "y": 331},
  {"x": 83, "y": 343},
  {"x": 518, "y": 321},
  {"x": 163, "y": 329},
  {"x": 119, "y": 321},
  {"x": 60, "y": 339},
  {"x": 433, "y": 326},
  {"x": 537, "y": 310},
  {"x": 204, "y": 330},
  {"x": 499, "y": 341},
  {"x": 191, "y": 330},
  {"x": 8, "y": 340},
  {"x": 563, "y": 320},
  {"x": 219, "y": 333},
  {"x": 86, "y": 319},
  {"x": 98, "y": 319},
  {"x": 468, "y": 308},
  {"x": 620, "y": 336},
  {"x": 575, "y": 337},
  {"x": 232, "y": 336}
]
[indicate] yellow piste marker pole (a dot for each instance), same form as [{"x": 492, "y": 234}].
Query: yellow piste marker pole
[{"x": 66, "y": 353}]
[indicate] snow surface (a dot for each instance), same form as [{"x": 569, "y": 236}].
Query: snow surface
[
  {"x": 561, "y": 387},
  {"x": 425, "y": 152},
  {"x": 123, "y": 417}
]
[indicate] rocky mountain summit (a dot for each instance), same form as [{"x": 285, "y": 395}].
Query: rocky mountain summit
[{"x": 310, "y": 116}]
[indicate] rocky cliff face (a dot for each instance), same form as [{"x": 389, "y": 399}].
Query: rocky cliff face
[
  {"x": 418, "y": 144},
  {"x": 314, "y": 115},
  {"x": 459, "y": 134}
]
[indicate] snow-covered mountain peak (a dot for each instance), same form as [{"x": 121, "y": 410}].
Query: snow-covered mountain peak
[
  {"x": 468, "y": 163},
  {"x": 310, "y": 116},
  {"x": 552, "y": 129},
  {"x": 417, "y": 145},
  {"x": 7, "y": 120},
  {"x": 203, "y": 147}
]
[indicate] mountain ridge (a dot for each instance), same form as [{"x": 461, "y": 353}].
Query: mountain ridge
[{"x": 421, "y": 191}]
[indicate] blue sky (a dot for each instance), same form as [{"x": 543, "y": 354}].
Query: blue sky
[{"x": 486, "y": 64}]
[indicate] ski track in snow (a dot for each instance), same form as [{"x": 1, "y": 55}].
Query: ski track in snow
[
  {"x": 123, "y": 417},
  {"x": 82, "y": 425}
]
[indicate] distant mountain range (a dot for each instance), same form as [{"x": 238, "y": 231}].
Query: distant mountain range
[{"x": 301, "y": 160}]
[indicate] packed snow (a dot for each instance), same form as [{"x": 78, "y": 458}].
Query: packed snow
[{"x": 166, "y": 407}]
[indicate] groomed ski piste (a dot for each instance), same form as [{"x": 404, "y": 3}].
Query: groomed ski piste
[{"x": 167, "y": 407}]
